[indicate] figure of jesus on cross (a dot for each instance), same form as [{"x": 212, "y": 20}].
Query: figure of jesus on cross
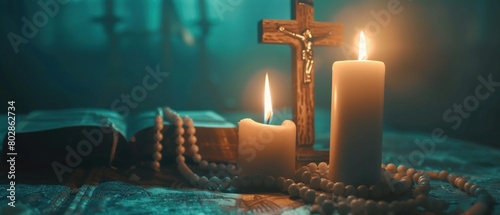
[
  {"x": 307, "y": 49},
  {"x": 302, "y": 34}
]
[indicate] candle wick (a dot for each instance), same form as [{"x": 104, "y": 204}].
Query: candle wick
[{"x": 268, "y": 120}]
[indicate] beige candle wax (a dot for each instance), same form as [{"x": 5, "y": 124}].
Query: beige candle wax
[
  {"x": 356, "y": 120},
  {"x": 267, "y": 150}
]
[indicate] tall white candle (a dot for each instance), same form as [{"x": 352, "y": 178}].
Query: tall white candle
[
  {"x": 356, "y": 120},
  {"x": 267, "y": 150}
]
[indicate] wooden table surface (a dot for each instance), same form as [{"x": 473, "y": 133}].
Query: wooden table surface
[{"x": 139, "y": 191}]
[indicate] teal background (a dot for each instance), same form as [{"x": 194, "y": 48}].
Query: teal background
[{"x": 91, "y": 52}]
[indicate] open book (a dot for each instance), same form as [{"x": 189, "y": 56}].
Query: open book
[{"x": 83, "y": 137}]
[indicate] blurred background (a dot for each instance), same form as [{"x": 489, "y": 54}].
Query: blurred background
[{"x": 93, "y": 53}]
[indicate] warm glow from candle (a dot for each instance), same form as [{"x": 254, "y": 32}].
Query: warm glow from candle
[
  {"x": 362, "y": 47},
  {"x": 268, "y": 107}
]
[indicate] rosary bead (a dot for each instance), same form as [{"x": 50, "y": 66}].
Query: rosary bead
[
  {"x": 327, "y": 207},
  {"x": 212, "y": 167},
  {"x": 179, "y": 140},
  {"x": 202, "y": 182},
  {"x": 338, "y": 188},
  {"x": 158, "y": 118},
  {"x": 315, "y": 182},
  {"x": 188, "y": 122},
  {"x": 236, "y": 182},
  {"x": 394, "y": 207},
  {"x": 157, "y": 156},
  {"x": 398, "y": 176},
  {"x": 407, "y": 182},
  {"x": 180, "y": 150},
  {"x": 410, "y": 172},
  {"x": 192, "y": 139},
  {"x": 320, "y": 198},
  {"x": 349, "y": 199},
  {"x": 302, "y": 192},
  {"x": 349, "y": 190},
  {"x": 298, "y": 175},
  {"x": 190, "y": 130},
  {"x": 421, "y": 200},
  {"x": 180, "y": 159},
  {"x": 303, "y": 169},
  {"x": 179, "y": 131},
  {"x": 357, "y": 206},
  {"x": 203, "y": 164},
  {"x": 214, "y": 183},
  {"x": 158, "y": 137},
  {"x": 383, "y": 207},
  {"x": 322, "y": 167},
  {"x": 221, "y": 167},
  {"x": 158, "y": 146},
  {"x": 293, "y": 191},
  {"x": 391, "y": 168},
  {"x": 306, "y": 176},
  {"x": 423, "y": 179},
  {"x": 315, "y": 209},
  {"x": 371, "y": 207},
  {"x": 159, "y": 125},
  {"x": 323, "y": 184},
  {"x": 375, "y": 192},
  {"x": 312, "y": 167},
  {"x": 480, "y": 191},
  {"x": 225, "y": 184},
  {"x": 467, "y": 186},
  {"x": 279, "y": 182},
  {"x": 155, "y": 165},
  {"x": 287, "y": 184},
  {"x": 443, "y": 175},
  {"x": 433, "y": 175},
  {"x": 269, "y": 181},
  {"x": 177, "y": 122},
  {"x": 416, "y": 176},
  {"x": 194, "y": 149},
  {"x": 193, "y": 179},
  {"x": 343, "y": 208},
  {"x": 460, "y": 182},
  {"x": 310, "y": 195},
  {"x": 246, "y": 181},
  {"x": 451, "y": 178},
  {"x": 197, "y": 158},
  {"x": 473, "y": 189},
  {"x": 362, "y": 191},
  {"x": 329, "y": 187},
  {"x": 402, "y": 169}
]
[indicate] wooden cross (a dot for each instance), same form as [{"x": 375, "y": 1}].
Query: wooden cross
[{"x": 302, "y": 34}]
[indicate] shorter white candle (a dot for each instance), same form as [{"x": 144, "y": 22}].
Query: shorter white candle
[
  {"x": 267, "y": 150},
  {"x": 356, "y": 123}
]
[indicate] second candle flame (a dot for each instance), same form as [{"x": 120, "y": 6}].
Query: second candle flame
[
  {"x": 362, "y": 55},
  {"x": 268, "y": 107}
]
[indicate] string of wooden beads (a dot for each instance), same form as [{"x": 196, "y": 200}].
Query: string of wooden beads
[
  {"x": 157, "y": 138},
  {"x": 311, "y": 185}
]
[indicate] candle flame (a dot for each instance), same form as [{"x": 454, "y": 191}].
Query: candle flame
[
  {"x": 362, "y": 47},
  {"x": 268, "y": 107}
]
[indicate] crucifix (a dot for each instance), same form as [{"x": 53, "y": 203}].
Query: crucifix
[{"x": 302, "y": 34}]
